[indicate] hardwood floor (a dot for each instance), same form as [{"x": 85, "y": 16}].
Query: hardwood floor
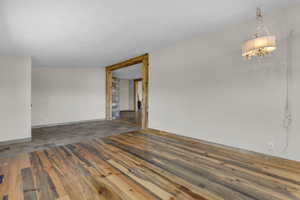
[
  {"x": 131, "y": 117},
  {"x": 48, "y": 137},
  {"x": 147, "y": 164}
]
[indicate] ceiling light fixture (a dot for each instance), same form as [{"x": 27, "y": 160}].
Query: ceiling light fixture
[{"x": 263, "y": 42}]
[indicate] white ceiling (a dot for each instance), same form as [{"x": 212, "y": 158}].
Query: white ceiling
[
  {"x": 131, "y": 72},
  {"x": 101, "y": 32}
]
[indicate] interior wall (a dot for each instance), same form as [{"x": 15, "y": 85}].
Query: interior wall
[
  {"x": 203, "y": 88},
  {"x": 15, "y": 89},
  {"x": 131, "y": 94},
  {"x": 124, "y": 94},
  {"x": 61, "y": 95},
  {"x": 139, "y": 94}
]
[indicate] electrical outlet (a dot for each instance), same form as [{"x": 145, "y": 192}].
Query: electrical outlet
[{"x": 271, "y": 146}]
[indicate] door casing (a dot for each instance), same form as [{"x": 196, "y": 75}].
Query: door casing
[{"x": 144, "y": 60}]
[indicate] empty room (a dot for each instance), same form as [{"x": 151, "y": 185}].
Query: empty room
[{"x": 149, "y": 100}]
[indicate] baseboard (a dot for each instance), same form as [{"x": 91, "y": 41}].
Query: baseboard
[
  {"x": 9, "y": 142},
  {"x": 65, "y": 123},
  {"x": 247, "y": 154}
]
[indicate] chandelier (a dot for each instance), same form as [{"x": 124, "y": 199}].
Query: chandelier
[{"x": 263, "y": 42}]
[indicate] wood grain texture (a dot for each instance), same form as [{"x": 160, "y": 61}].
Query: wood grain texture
[
  {"x": 131, "y": 117},
  {"x": 147, "y": 164},
  {"x": 145, "y": 88},
  {"x": 108, "y": 106},
  {"x": 126, "y": 63},
  {"x": 47, "y": 137}
]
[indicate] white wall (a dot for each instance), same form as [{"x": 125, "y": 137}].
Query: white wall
[
  {"x": 204, "y": 89},
  {"x": 61, "y": 95},
  {"x": 131, "y": 94},
  {"x": 124, "y": 94},
  {"x": 139, "y": 94},
  {"x": 15, "y": 90}
]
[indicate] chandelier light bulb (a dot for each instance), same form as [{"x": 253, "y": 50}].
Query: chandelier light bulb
[{"x": 263, "y": 42}]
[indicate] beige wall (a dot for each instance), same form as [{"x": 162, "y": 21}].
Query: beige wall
[
  {"x": 204, "y": 89},
  {"x": 126, "y": 94},
  {"x": 15, "y": 89},
  {"x": 61, "y": 95},
  {"x": 131, "y": 94},
  {"x": 139, "y": 95}
]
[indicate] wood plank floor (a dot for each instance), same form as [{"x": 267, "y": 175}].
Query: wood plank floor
[
  {"x": 131, "y": 117},
  {"x": 47, "y": 137},
  {"x": 147, "y": 165}
]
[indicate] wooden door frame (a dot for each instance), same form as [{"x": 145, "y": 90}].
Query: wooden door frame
[{"x": 144, "y": 59}]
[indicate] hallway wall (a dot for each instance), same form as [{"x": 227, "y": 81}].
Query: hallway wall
[{"x": 126, "y": 94}]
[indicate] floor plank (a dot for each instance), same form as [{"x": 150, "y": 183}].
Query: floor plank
[
  {"x": 52, "y": 136},
  {"x": 146, "y": 164}
]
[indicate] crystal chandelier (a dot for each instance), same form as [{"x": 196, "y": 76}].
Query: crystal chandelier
[{"x": 263, "y": 42}]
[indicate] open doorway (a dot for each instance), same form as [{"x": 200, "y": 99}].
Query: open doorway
[
  {"x": 127, "y": 91},
  {"x": 127, "y": 94}
]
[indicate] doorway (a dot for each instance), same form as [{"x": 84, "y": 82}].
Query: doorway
[{"x": 138, "y": 112}]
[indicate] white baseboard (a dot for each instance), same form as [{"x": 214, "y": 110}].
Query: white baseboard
[
  {"x": 65, "y": 123},
  {"x": 22, "y": 140}
]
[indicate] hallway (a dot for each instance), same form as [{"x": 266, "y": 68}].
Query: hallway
[{"x": 131, "y": 117}]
